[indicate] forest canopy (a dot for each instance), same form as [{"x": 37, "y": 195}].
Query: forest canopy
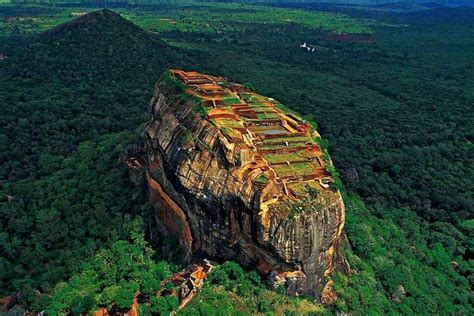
[{"x": 395, "y": 106}]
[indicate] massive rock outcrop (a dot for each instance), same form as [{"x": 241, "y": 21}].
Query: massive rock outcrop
[{"x": 237, "y": 176}]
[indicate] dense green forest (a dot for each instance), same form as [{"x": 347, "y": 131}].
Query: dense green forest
[
  {"x": 66, "y": 116},
  {"x": 395, "y": 105}
]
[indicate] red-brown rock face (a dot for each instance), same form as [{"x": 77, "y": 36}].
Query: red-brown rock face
[{"x": 236, "y": 176}]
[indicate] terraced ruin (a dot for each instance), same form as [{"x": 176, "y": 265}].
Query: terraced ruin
[
  {"x": 271, "y": 138},
  {"x": 238, "y": 176}
]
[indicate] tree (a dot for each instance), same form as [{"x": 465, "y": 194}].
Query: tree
[{"x": 114, "y": 276}]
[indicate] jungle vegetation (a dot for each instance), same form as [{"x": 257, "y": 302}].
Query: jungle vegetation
[{"x": 394, "y": 103}]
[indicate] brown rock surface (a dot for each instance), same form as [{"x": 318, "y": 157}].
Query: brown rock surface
[{"x": 236, "y": 176}]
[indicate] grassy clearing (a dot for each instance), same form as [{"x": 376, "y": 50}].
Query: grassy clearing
[
  {"x": 279, "y": 158},
  {"x": 254, "y": 102},
  {"x": 262, "y": 109},
  {"x": 283, "y": 170},
  {"x": 280, "y": 146},
  {"x": 227, "y": 123},
  {"x": 220, "y": 17},
  {"x": 296, "y": 156},
  {"x": 216, "y": 18},
  {"x": 308, "y": 154},
  {"x": 298, "y": 168},
  {"x": 247, "y": 97},
  {"x": 230, "y": 100},
  {"x": 304, "y": 168},
  {"x": 286, "y": 139},
  {"x": 303, "y": 187},
  {"x": 265, "y": 116}
]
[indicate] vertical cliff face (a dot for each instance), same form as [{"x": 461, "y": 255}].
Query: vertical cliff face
[{"x": 236, "y": 176}]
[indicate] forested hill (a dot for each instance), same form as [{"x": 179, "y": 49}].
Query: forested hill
[
  {"x": 69, "y": 102},
  {"x": 395, "y": 110},
  {"x": 82, "y": 79}
]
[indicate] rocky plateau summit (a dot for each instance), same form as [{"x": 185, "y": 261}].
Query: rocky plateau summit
[{"x": 238, "y": 176}]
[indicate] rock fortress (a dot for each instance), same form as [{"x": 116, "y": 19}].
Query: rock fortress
[{"x": 235, "y": 175}]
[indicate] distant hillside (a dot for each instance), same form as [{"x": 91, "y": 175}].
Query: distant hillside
[
  {"x": 80, "y": 64},
  {"x": 354, "y": 2},
  {"x": 424, "y": 3},
  {"x": 68, "y": 101},
  {"x": 378, "y": 2}
]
